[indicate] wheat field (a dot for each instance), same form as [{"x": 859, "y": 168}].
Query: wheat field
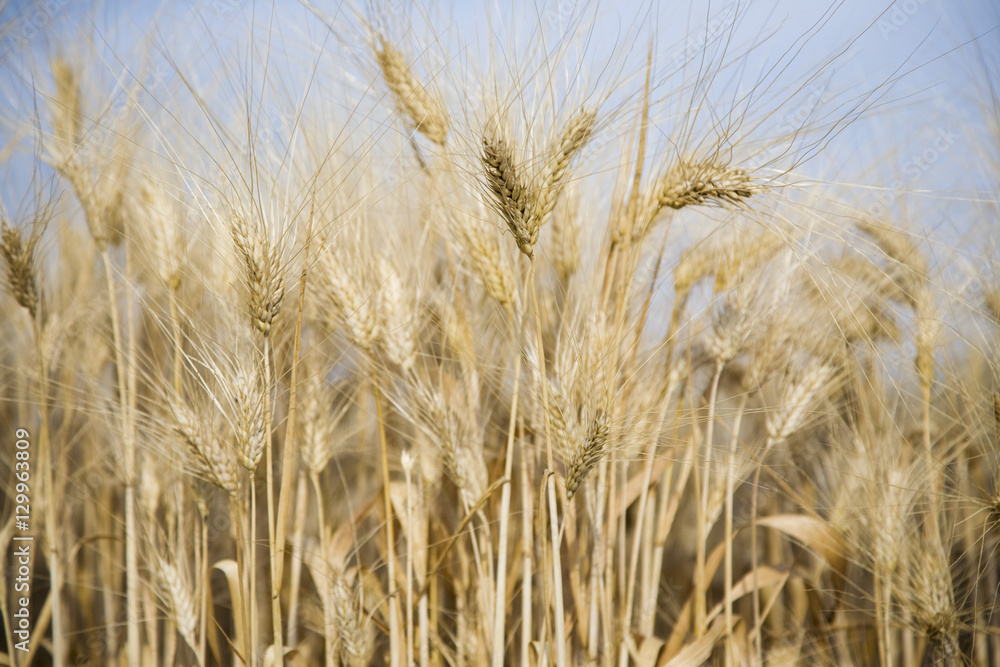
[{"x": 532, "y": 334}]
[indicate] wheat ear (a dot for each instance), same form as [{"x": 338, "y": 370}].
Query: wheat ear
[
  {"x": 509, "y": 193},
  {"x": 177, "y": 596},
  {"x": 423, "y": 109},
  {"x": 19, "y": 258},
  {"x": 211, "y": 456},
  {"x": 690, "y": 182},
  {"x": 576, "y": 133},
  {"x": 263, "y": 276},
  {"x": 588, "y": 454}
]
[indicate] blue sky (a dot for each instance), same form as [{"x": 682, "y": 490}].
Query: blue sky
[{"x": 927, "y": 132}]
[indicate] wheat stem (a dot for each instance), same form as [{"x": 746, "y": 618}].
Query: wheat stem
[
  {"x": 560, "y": 622},
  {"x": 204, "y": 574},
  {"x": 131, "y": 568},
  {"x": 253, "y": 654},
  {"x": 131, "y": 468},
  {"x": 329, "y": 623},
  {"x": 758, "y": 642},
  {"x": 500, "y": 602},
  {"x": 394, "y": 642},
  {"x": 730, "y": 490},
  {"x": 527, "y": 555},
  {"x": 276, "y": 551},
  {"x": 289, "y": 459},
  {"x": 407, "y": 471},
  {"x": 298, "y": 544},
  {"x": 47, "y": 454},
  {"x": 700, "y": 576}
]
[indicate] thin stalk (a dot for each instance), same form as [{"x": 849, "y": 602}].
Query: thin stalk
[
  {"x": 620, "y": 488},
  {"x": 275, "y": 551},
  {"x": 594, "y": 623},
  {"x": 560, "y": 613},
  {"x": 527, "y": 557},
  {"x": 131, "y": 468},
  {"x": 238, "y": 508},
  {"x": 730, "y": 484},
  {"x": 603, "y": 537},
  {"x": 908, "y": 637},
  {"x": 329, "y": 626},
  {"x": 394, "y": 652},
  {"x": 700, "y": 580},
  {"x": 289, "y": 459},
  {"x": 48, "y": 455},
  {"x": 152, "y": 634},
  {"x": 647, "y": 589},
  {"x": 252, "y": 656},
  {"x": 613, "y": 267},
  {"x": 499, "y": 600},
  {"x": 932, "y": 526},
  {"x": 175, "y": 327},
  {"x": 205, "y": 574},
  {"x": 298, "y": 546},
  {"x": 41, "y": 626},
  {"x": 667, "y": 502},
  {"x": 640, "y": 524},
  {"x": 560, "y": 629},
  {"x": 433, "y": 587},
  {"x": 647, "y": 471},
  {"x": 758, "y": 648},
  {"x": 648, "y": 592},
  {"x": 131, "y": 563},
  {"x": 423, "y": 630},
  {"x": 109, "y": 571},
  {"x": 423, "y": 623},
  {"x": 461, "y": 617},
  {"x": 409, "y": 566},
  {"x": 883, "y": 588}
]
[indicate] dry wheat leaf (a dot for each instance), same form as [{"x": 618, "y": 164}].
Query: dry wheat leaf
[
  {"x": 766, "y": 576},
  {"x": 812, "y": 533},
  {"x": 683, "y": 623},
  {"x": 229, "y": 568},
  {"x": 698, "y": 651},
  {"x": 647, "y": 653}
]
